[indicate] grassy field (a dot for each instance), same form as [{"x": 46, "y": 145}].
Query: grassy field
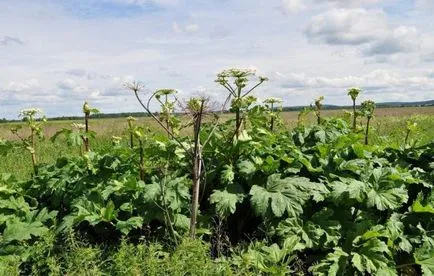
[{"x": 388, "y": 126}]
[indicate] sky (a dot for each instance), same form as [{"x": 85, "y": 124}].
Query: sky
[{"x": 55, "y": 54}]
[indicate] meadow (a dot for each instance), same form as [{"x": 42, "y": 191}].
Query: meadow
[
  {"x": 255, "y": 191},
  {"x": 389, "y": 127}
]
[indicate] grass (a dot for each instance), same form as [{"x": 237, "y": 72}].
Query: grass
[{"x": 388, "y": 126}]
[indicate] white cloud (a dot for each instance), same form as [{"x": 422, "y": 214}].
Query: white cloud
[
  {"x": 384, "y": 80},
  {"x": 347, "y": 26},
  {"x": 424, "y": 5},
  {"x": 189, "y": 28},
  {"x": 144, "y": 2},
  {"x": 14, "y": 86},
  {"x": 368, "y": 28},
  {"x": 399, "y": 40},
  {"x": 350, "y": 3},
  {"x": 89, "y": 57},
  {"x": 292, "y": 6}
]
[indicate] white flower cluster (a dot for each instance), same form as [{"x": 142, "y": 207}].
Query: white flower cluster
[
  {"x": 78, "y": 126},
  {"x": 30, "y": 112}
]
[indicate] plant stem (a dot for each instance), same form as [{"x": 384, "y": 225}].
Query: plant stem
[
  {"x": 86, "y": 122},
  {"x": 406, "y": 137},
  {"x": 33, "y": 152},
  {"x": 131, "y": 139},
  {"x": 167, "y": 218},
  {"x": 354, "y": 115},
  {"x": 197, "y": 170},
  {"x": 142, "y": 169},
  {"x": 367, "y": 130}
]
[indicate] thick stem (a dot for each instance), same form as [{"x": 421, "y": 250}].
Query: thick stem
[
  {"x": 367, "y": 131},
  {"x": 167, "y": 218},
  {"x": 272, "y": 123},
  {"x": 141, "y": 158},
  {"x": 33, "y": 152},
  {"x": 86, "y": 122},
  {"x": 237, "y": 122},
  {"x": 406, "y": 137},
  {"x": 197, "y": 171},
  {"x": 131, "y": 139},
  {"x": 354, "y": 115}
]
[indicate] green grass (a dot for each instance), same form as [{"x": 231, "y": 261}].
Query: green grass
[{"x": 388, "y": 127}]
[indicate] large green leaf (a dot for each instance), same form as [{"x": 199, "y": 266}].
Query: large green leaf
[
  {"x": 227, "y": 174},
  {"x": 371, "y": 256},
  {"x": 21, "y": 231},
  {"x": 421, "y": 205},
  {"x": 225, "y": 202},
  {"x": 320, "y": 232},
  {"x": 334, "y": 264},
  {"x": 282, "y": 195},
  {"x": 385, "y": 193},
  {"x": 126, "y": 226},
  {"x": 347, "y": 190},
  {"x": 424, "y": 256}
]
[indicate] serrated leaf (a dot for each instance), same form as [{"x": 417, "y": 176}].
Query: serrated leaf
[
  {"x": 246, "y": 168},
  {"x": 334, "y": 264},
  {"x": 424, "y": 256},
  {"x": 320, "y": 232},
  {"x": 126, "y": 226},
  {"x": 21, "y": 231},
  {"x": 227, "y": 175},
  {"x": 225, "y": 202},
  {"x": 279, "y": 195},
  {"x": 347, "y": 188},
  {"x": 370, "y": 256}
]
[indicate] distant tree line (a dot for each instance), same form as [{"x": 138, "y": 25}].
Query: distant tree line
[{"x": 287, "y": 108}]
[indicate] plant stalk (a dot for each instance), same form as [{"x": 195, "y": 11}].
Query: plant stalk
[
  {"x": 367, "y": 131},
  {"x": 86, "y": 139},
  {"x": 197, "y": 171}
]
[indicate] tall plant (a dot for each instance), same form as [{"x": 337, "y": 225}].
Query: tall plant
[
  {"x": 196, "y": 108},
  {"x": 367, "y": 109},
  {"x": 318, "y": 108},
  {"x": 34, "y": 119},
  {"x": 274, "y": 105},
  {"x": 354, "y": 93},
  {"x": 88, "y": 111},
  {"x": 235, "y": 81}
]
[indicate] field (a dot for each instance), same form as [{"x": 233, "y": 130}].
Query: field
[
  {"x": 258, "y": 193},
  {"x": 389, "y": 124}
]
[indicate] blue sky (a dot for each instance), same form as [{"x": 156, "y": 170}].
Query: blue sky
[{"x": 54, "y": 54}]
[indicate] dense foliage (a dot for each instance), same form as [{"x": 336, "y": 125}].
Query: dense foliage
[{"x": 312, "y": 200}]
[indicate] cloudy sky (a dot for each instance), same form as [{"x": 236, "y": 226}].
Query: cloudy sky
[{"x": 54, "y": 54}]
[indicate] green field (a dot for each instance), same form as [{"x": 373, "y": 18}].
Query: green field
[
  {"x": 280, "y": 196},
  {"x": 389, "y": 127}
]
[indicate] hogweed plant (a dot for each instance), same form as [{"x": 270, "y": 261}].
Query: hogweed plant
[
  {"x": 354, "y": 93},
  {"x": 34, "y": 118},
  {"x": 131, "y": 128},
  {"x": 411, "y": 128},
  {"x": 302, "y": 115},
  {"x": 168, "y": 100},
  {"x": 274, "y": 105},
  {"x": 195, "y": 108},
  {"x": 235, "y": 81},
  {"x": 367, "y": 109},
  {"x": 318, "y": 108},
  {"x": 88, "y": 111},
  {"x": 76, "y": 136}
]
